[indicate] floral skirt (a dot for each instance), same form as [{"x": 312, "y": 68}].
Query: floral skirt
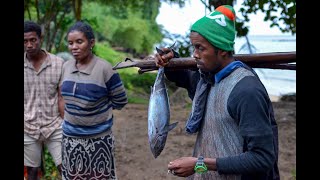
[{"x": 88, "y": 158}]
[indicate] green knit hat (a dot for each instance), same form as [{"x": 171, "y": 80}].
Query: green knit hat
[{"x": 218, "y": 27}]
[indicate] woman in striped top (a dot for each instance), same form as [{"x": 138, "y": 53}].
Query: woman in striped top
[{"x": 91, "y": 89}]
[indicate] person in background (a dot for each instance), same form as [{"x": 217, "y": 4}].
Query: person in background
[
  {"x": 65, "y": 55},
  {"x": 237, "y": 135},
  {"x": 43, "y": 103},
  {"x": 91, "y": 90}
]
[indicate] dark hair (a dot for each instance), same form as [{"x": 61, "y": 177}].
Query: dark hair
[
  {"x": 30, "y": 26},
  {"x": 82, "y": 27}
]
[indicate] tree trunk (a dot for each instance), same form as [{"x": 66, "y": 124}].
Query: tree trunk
[{"x": 77, "y": 9}]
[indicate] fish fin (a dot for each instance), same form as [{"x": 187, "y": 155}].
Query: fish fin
[{"x": 171, "y": 126}]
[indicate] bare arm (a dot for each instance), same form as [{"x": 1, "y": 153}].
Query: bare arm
[{"x": 60, "y": 103}]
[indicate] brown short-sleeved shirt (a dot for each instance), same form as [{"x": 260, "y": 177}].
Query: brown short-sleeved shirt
[{"x": 41, "y": 114}]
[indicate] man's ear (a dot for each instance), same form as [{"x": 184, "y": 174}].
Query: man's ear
[{"x": 223, "y": 53}]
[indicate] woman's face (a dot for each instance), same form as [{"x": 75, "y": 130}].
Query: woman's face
[{"x": 78, "y": 45}]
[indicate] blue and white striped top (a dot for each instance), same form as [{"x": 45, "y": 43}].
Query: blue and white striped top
[{"x": 90, "y": 95}]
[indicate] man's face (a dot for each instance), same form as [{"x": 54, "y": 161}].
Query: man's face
[
  {"x": 206, "y": 58},
  {"x": 32, "y": 43}
]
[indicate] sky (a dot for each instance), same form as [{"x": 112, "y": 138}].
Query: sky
[{"x": 178, "y": 20}]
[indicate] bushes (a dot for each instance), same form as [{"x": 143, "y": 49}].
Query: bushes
[
  {"x": 288, "y": 97},
  {"x": 138, "y": 82}
]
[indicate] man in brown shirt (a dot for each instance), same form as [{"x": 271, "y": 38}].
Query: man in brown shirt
[{"x": 43, "y": 104}]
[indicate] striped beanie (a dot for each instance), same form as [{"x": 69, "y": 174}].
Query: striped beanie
[{"x": 218, "y": 27}]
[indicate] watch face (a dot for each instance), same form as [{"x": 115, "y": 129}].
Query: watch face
[{"x": 201, "y": 169}]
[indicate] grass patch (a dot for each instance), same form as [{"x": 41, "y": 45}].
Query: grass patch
[
  {"x": 188, "y": 106},
  {"x": 293, "y": 173},
  {"x": 137, "y": 100},
  {"x": 137, "y": 96},
  {"x": 51, "y": 171},
  {"x": 106, "y": 52}
]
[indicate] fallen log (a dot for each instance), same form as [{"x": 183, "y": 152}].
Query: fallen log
[{"x": 275, "y": 60}]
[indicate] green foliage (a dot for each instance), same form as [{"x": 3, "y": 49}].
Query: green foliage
[
  {"x": 138, "y": 97},
  {"x": 149, "y": 9},
  {"x": 137, "y": 100},
  {"x": 242, "y": 30},
  {"x": 188, "y": 106},
  {"x": 134, "y": 82},
  {"x": 131, "y": 24},
  {"x": 54, "y": 17},
  {"x": 138, "y": 82},
  {"x": 134, "y": 33},
  {"x": 105, "y": 23},
  {"x": 277, "y": 12},
  {"x": 135, "y": 30},
  {"x": 104, "y": 51},
  {"x": 137, "y": 85},
  {"x": 51, "y": 171},
  {"x": 293, "y": 173}
]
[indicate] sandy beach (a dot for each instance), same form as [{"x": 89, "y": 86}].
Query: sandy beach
[{"x": 274, "y": 98}]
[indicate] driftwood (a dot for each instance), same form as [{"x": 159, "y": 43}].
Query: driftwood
[{"x": 277, "y": 60}]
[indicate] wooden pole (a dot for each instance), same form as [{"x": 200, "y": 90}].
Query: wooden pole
[{"x": 276, "y": 60}]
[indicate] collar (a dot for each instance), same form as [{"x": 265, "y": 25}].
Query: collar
[
  {"x": 87, "y": 70},
  {"x": 46, "y": 62},
  {"x": 227, "y": 70}
]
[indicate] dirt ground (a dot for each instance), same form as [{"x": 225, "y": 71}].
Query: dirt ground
[{"x": 134, "y": 160}]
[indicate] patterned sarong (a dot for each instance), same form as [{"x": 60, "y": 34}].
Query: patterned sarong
[{"x": 88, "y": 158}]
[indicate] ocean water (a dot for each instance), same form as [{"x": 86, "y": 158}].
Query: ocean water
[{"x": 278, "y": 82}]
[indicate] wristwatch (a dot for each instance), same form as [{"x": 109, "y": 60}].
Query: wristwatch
[{"x": 200, "y": 167}]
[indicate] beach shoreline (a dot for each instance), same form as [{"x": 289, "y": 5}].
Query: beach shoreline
[{"x": 274, "y": 98}]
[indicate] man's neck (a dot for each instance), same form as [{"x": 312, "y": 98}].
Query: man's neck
[{"x": 37, "y": 59}]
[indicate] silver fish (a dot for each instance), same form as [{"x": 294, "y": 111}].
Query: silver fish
[{"x": 159, "y": 115}]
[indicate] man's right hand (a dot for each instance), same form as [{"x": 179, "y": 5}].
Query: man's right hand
[{"x": 163, "y": 59}]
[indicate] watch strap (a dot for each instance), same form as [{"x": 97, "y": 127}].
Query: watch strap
[{"x": 200, "y": 166}]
